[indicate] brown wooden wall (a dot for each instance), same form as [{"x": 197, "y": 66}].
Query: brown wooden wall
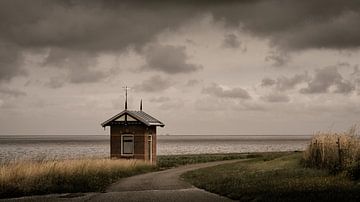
[
  {"x": 140, "y": 133},
  {"x": 152, "y": 132}
]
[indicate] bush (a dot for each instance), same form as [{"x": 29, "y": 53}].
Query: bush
[
  {"x": 334, "y": 151},
  {"x": 354, "y": 171}
]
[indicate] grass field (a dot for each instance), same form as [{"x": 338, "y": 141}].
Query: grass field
[
  {"x": 85, "y": 175},
  {"x": 170, "y": 161},
  {"x": 63, "y": 176},
  {"x": 274, "y": 178}
]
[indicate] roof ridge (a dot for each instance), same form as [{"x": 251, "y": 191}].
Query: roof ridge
[{"x": 141, "y": 116}]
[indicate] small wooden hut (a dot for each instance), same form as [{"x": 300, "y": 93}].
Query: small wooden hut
[{"x": 133, "y": 135}]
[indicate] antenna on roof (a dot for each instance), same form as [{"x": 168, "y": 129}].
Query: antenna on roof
[
  {"x": 141, "y": 105},
  {"x": 126, "y": 88}
]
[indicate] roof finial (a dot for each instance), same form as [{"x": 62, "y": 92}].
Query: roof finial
[
  {"x": 126, "y": 88},
  {"x": 141, "y": 105}
]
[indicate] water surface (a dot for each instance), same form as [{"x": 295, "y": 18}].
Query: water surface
[{"x": 67, "y": 147}]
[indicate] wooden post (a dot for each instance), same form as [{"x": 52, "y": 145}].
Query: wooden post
[
  {"x": 316, "y": 154},
  {"x": 339, "y": 152}
]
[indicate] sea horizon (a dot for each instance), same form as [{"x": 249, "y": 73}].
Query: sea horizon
[{"x": 32, "y": 147}]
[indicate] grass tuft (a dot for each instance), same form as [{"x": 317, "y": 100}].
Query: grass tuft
[{"x": 336, "y": 152}]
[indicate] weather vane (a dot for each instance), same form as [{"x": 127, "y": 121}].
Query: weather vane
[{"x": 126, "y": 89}]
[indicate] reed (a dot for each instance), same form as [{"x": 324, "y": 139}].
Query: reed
[
  {"x": 60, "y": 176},
  {"x": 334, "y": 151}
]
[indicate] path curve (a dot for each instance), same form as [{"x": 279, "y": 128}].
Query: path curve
[{"x": 160, "y": 186}]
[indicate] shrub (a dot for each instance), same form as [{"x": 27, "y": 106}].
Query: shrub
[
  {"x": 354, "y": 171},
  {"x": 334, "y": 151}
]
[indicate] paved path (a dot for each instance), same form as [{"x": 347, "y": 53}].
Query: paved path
[{"x": 155, "y": 186}]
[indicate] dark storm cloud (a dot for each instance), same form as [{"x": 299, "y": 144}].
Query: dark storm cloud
[
  {"x": 231, "y": 41},
  {"x": 10, "y": 62},
  {"x": 284, "y": 83},
  {"x": 326, "y": 78},
  {"x": 154, "y": 84},
  {"x": 86, "y": 25},
  {"x": 275, "y": 97},
  {"x": 113, "y": 25},
  {"x": 81, "y": 26},
  {"x": 168, "y": 59},
  {"x": 293, "y": 24},
  {"x": 216, "y": 90},
  {"x": 116, "y": 26}
]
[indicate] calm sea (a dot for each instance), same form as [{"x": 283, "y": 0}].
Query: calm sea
[{"x": 65, "y": 147}]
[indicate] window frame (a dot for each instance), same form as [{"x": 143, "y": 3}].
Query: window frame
[{"x": 122, "y": 145}]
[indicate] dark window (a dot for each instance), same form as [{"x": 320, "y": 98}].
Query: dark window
[{"x": 127, "y": 144}]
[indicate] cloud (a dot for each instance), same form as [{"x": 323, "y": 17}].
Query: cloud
[
  {"x": 168, "y": 59},
  {"x": 344, "y": 87},
  {"x": 278, "y": 58},
  {"x": 284, "y": 83},
  {"x": 356, "y": 76},
  {"x": 55, "y": 82},
  {"x": 342, "y": 30},
  {"x": 10, "y": 61},
  {"x": 114, "y": 25},
  {"x": 82, "y": 26},
  {"x": 218, "y": 91},
  {"x": 296, "y": 25},
  {"x": 192, "y": 82},
  {"x": 154, "y": 84},
  {"x": 275, "y": 97},
  {"x": 211, "y": 104},
  {"x": 117, "y": 26},
  {"x": 356, "y": 71},
  {"x": 267, "y": 82},
  {"x": 87, "y": 25},
  {"x": 79, "y": 66},
  {"x": 326, "y": 78},
  {"x": 11, "y": 92},
  {"x": 231, "y": 41}
]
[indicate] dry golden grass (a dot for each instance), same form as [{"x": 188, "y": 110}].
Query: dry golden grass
[
  {"x": 26, "y": 178},
  {"x": 334, "y": 151}
]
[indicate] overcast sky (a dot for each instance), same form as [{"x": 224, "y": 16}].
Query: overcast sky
[{"x": 209, "y": 68}]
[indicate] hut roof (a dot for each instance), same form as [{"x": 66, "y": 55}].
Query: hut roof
[{"x": 138, "y": 115}]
